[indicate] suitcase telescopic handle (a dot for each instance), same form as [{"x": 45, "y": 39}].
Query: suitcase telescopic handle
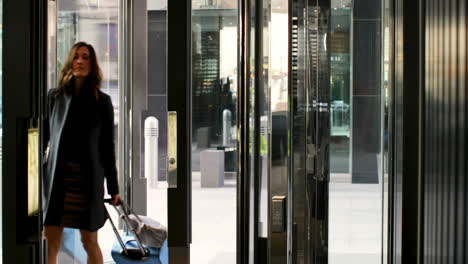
[
  {"x": 124, "y": 207},
  {"x": 126, "y": 211},
  {"x": 116, "y": 232}
]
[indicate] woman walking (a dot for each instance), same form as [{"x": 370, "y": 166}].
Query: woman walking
[{"x": 79, "y": 131}]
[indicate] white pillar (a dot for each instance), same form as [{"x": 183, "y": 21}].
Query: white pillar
[
  {"x": 151, "y": 151},
  {"x": 227, "y": 127}
]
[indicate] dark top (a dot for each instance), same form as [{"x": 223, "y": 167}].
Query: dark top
[{"x": 73, "y": 143}]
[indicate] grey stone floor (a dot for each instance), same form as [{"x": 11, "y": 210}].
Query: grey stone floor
[
  {"x": 355, "y": 234},
  {"x": 355, "y": 230},
  {"x": 355, "y": 223}
]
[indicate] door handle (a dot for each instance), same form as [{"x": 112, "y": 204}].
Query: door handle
[
  {"x": 172, "y": 150},
  {"x": 33, "y": 171}
]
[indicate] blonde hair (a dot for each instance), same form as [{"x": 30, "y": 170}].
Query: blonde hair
[{"x": 66, "y": 74}]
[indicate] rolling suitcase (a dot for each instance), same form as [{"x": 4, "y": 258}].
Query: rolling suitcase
[{"x": 128, "y": 248}]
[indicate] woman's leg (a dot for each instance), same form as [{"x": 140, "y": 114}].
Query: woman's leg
[
  {"x": 54, "y": 239},
  {"x": 90, "y": 244}
]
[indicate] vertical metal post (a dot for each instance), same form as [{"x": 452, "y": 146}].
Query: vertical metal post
[
  {"x": 24, "y": 83},
  {"x": 243, "y": 166},
  {"x": 179, "y": 100}
]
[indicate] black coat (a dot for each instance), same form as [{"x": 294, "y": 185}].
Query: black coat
[{"x": 99, "y": 161}]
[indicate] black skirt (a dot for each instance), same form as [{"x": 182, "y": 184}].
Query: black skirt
[{"x": 71, "y": 207}]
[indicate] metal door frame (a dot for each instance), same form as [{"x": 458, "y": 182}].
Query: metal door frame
[
  {"x": 250, "y": 246},
  {"x": 179, "y": 69},
  {"x": 24, "y": 87}
]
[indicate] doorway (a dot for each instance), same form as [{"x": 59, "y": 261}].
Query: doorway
[
  {"x": 286, "y": 147},
  {"x": 140, "y": 61}
]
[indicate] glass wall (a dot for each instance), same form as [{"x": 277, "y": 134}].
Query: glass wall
[
  {"x": 339, "y": 84},
  {"x": 279, "y": 129},
  {"x": 214, "y": 115},
  {"x": 155, "y": 113},
  {"x": 97, "y": 23},
  {"x": 357, "y": 189},
  {"x": 264, "y": 122}
]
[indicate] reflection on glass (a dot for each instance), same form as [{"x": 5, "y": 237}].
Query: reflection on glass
[
  {"x": 264, "y": 124},
  {"x": 356, "y": 192},
  {"x": 387, "y": 86},
  {"x": 279, "y": 56},
  {"x": 297, "y": 193},
  {"x": 337, "y": 132},
  {"x": 155, "y": 116},
  {"x": 278, "y": 82},
  {"x": 250, "y": 100},
  {"x": 214, "y": 86},
  {"x": 95, "y": 22},
  {"x": 340, "y": 89}
]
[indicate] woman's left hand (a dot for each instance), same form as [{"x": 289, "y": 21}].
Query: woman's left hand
[{"x": 115, "y": 199}]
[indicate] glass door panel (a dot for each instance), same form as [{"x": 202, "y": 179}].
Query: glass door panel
[
  {"x": 97, "y": 23},
  {"x": 131, "y": 41},
  {"x": 310, "y": 85},
  {"x": 151, "y": 104},
  {"x": 154, "y": 136},
  {"x": 357, "y": 167},
  {"x": 264, "y": 123},
  {"x": 278, "y": 195},
  {"x": 338, "y": 132},
  {"x": 214, "y": 117}
]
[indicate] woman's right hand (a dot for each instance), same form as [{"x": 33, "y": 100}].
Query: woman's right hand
[{"x": 115, "y": 199}]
